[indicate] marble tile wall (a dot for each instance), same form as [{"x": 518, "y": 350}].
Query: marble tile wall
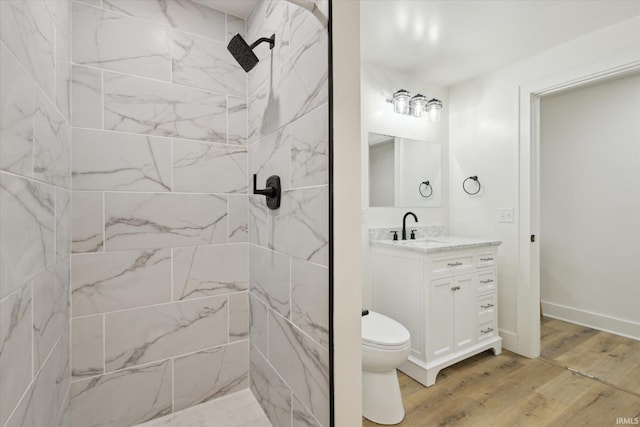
[
  {"x": 288, "y": 255},
  {"x": 159, "y": 172},
  {"x": 35, "y": 212}
]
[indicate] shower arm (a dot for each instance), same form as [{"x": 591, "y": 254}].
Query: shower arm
[{"x": 271, "y": 40}]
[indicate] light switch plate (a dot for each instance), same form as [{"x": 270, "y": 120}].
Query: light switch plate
[{"x": 505, "y": 214}]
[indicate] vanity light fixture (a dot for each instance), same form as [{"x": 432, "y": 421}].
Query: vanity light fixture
[
  {"x": 404, "y": 103},
  {"x": 400, "y": 101},
  {"x": 434, "y": 106}
]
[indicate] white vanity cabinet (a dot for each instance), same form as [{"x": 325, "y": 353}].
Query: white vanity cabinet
[{"x": 446, "y": 296}]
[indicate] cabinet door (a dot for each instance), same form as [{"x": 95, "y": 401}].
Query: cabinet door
[
  {"x": 465, "y": 311},
  {"x": 440, "y": 325}
]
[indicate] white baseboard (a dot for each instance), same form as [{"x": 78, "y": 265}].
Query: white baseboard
[{"x": 601, "y": 322}]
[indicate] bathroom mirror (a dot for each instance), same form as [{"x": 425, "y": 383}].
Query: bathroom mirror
[{"x": 399, "y": 169}]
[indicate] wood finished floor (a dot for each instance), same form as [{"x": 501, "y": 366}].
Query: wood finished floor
[{"x": 510, "y": 390}]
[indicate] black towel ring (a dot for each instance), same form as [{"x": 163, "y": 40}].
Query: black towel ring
[
  {"x": 472, "y": 178},
  {"x": 427, "y": 185}
]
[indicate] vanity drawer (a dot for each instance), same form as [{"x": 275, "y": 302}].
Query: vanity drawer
[
  {"x": 486, "y": 259},
  {"x": 486, "y": 281},
  {"x": 486, "y": 304},
  {"x": 487, "y": 328},
  {"x": 451, "y": 264}
]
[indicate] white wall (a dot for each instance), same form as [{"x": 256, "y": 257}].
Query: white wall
[
  {"x": 590, "y": 205},
  {"x": 484, "y": 141},
  {"x": 378, "y": 84}
]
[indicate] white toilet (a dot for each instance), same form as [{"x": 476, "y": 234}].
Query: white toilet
[{"x": 385, "y": 345}]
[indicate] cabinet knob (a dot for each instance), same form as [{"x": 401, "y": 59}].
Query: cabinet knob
[
  {"x": 486, "y": 331},
  {"x": 486, "y": 306},
  {"x": 455, "y": 288},
  {"x": 486, "y": 259},
  {"x": 454, "y": 264},
  {"x": 486, "y": 281}
]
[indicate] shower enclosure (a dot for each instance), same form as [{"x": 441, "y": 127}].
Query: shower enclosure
[{"x": 139, "y": 275}]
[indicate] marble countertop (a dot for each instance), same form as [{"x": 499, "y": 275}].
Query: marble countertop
[{"x": 436, "y": 244}]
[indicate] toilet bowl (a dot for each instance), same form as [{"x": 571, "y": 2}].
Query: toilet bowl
[{"x": 385, "y": 346}]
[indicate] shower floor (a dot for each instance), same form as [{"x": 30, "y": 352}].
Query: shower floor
[{"x": 235, "y": 410}]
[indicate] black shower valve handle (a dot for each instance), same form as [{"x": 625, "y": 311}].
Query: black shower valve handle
[
  {"x": 269, "y": 191},
  {"x": 272, "y": 192}
]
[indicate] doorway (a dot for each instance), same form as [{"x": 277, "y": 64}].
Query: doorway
[{"x": 589, "y": 210}]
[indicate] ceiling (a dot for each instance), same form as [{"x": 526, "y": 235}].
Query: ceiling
[{"x": 449, "y": 41}]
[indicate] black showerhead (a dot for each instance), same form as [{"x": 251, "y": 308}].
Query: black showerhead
[{"x": 243, "y": 53}]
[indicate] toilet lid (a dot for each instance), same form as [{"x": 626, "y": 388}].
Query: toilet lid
[{"x": 380, "y": 330}]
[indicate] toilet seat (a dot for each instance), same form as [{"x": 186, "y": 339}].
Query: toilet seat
[{"x": 382, "y": 332}]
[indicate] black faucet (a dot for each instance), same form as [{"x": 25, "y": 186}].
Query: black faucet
[{"x": 404, "y": 226}]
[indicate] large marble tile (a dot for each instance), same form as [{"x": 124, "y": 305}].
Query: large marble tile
[
  {"x": 262, "y": 113},
  {"x": 267, "y": 18},
  {"x": 210, "y": 374},
  {"x": 150, "y": 107},
  {"x": 235, "y": 26},
  {"x": 271, "y": 155},
  {"x": 269, "y": 390},
  {"x": 50, "y": 310},
  {"x": 181, "y": 14},
  {"x": 63, "y": 223},
  {"x": 17, "y": 92},
  {"x": 63, "y": 89},
  {"x": 302, "y": 363},
  {"x": 237, "y": 120},
  {"x": 305, "y": 25},
  {"x": 112, "y": 41},
  {"x": 239, "y": 409},
  {"x": 302, "y": 81},
  {"x": 27, "y": 230},
  {"x": 86, "y": 97},
  {"x": 210, "y": 270},
  {"x": 96, "y": 3},
  {"x": 51, "y": 385},
  {"x": 87, "y": 346},
  {"x": 64, "y": 417},
  {"x": 270, "y": 278},
  {"x": 23, "y": 415},
  {"x": 60, "y": 11},
  {"x": 258, "y": 324},
  {"x": 87, "y": 222},
  {"x": 207, "y": 64},
  {"x": 28, "y": 29},
  {"x": 301, "y": 226},
  {"x": 16, "y": 366},
  {"x": 310, "y": 149},
  {"x": 51, "y": 144},
  {"x": 140, "y": 221},
  {"x": 310, "y": 299},
  {"x": 44, "y": 402},
  {"x": 119, "y": 161},
  {"x": 238, "y": 218},
  {"x": 301, "y": 416},
  {"x": 298, "y": 86},
  {"x": 258, "y": 221},
  {"x": 113, "y": 281},
  {"x": 203, "y": 167},
  {"x": 122, "y": 398},
  {"x": 238, "y": 316},
  {"x": 144, "y": 335}
]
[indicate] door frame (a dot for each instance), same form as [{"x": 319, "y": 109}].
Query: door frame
[{"x": 528, "y": 284}]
